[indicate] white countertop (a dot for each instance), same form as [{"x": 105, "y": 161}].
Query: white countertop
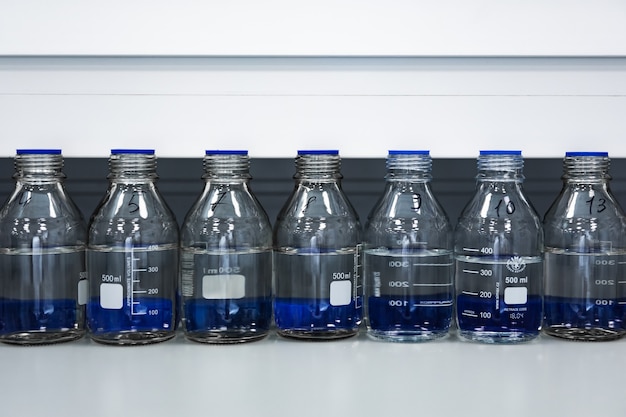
[{"x": 351, "y": 377}]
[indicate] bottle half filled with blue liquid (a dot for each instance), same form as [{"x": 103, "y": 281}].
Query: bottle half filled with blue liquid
[
  {"x": 585, "y": 274},
  {"x": 408, "y": 261},
  {"x": 317, "y": 254},
  {"x": 226, "y": 256},
  {"x": 43, "y": 286},
  {"x": 498, "y": 253},
  {"x": 132, "y": 256}
]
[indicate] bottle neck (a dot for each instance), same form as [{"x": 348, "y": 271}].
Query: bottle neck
[
  {"x": 39, "y": 168},
  {"x": 409, "y": 168},
  {"x": 226, "y": 168},
  {"x": 131, "y": 167},
  {"x": 318, "y": 168},
  {"x": 500, "y": 168},
  {"x": 586, "y": 170}
]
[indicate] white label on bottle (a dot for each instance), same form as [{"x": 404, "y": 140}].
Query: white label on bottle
[
  {"x": 222, "y": 287},
  {"x": 515, "y": 295},
  {"x": 83, "y": 291},
  {"x": 340, "y": 293},
  {"x": 111, "y": 296}
]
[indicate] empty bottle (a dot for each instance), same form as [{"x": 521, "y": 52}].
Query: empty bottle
[
  {"x": 585, "y": 259},
  {"x": 132, "y": 257},
  {"x": 43, "y": 286},
  {"x": 316, "y": 242},
  {"x": 408, "y": 263},
  {"x": 226, "y": 256},
  {"x": 498, "y": 250}
]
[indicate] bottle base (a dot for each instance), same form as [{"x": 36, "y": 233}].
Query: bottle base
[
  {"x": 406, "y": 336},
  {"x": 131, "y": 338},
  {"x": 34, "y": 338},
  {"x": 498, "y": 337},
  {"x": 584, "y": 334},
  {"x": 225, "y": 337},
  {"x": 320, "y": 335}
]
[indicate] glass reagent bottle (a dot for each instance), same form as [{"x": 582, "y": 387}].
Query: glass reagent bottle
[
  {"x": 585, "y": 232},
  {"x": 132, "y": 257},
  {"x": 43, "y": 284},
  {"x": 317, "y": 248},
  {"x": 498, "y": 251},
  {"x": 408, "y": 265},
  {"x": 226, "y": 256}
]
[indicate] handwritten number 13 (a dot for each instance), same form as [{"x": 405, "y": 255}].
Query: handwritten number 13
[{"x": 601, "y": 205}]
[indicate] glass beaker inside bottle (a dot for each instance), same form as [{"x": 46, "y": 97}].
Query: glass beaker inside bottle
[
  {"x": 499, "y": 260},
  {"x": 585, "y": 259},
  {"x": 132, "y": 257},
  {"x": 43, "y": 284},
  {"x": 226, "y": 256},
  {"x": 317, "y": 249},
  {"x": 408, "y": 264}
]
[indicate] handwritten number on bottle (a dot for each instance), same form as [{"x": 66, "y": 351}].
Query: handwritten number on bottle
[
  {"x": 24, "y": 199},
  {"x": 509, "y": 206},
  {"x": 308, "y": 203},
  {"x": 134, "y": 207},
  {"x": 417, "y": 202},
  {"x": 219, "y": 200},
  {"x": 599, "y": 208}
]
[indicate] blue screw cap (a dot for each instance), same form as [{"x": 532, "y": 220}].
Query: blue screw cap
[
  {"x": 39, "y": 151},
  {"x": 133, "y": 151},
  {"x": 225, "y": 152},
  {"x": 319, "y": 152},
  {"x": 600, "y": 154}
]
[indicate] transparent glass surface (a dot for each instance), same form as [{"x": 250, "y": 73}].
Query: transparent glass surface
[
  {"x": 585, "y": 274},
  {"x": 499, "y": 256},
  {"x": 226, "y": 258},
  {"x": 42, "y": 255},
  {"x": 132, "y": 257},
  {"x": 408, "y": 262},
  {"x": 317, "y": 255}
]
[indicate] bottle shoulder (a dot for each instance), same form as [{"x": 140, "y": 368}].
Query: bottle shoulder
[
  {"x": 223, "y": 202},
  {"x": 585, "y": 219},
  {"x": 45, "y": 214},
  {"x": 128, "y": 211},
  {"x": 139, "y": 202},
  {"x": 32, "y": 204},
  {"x": 585, "y": 201},
  {"x": 317, "y": 201},
  {"x": 506, "y": 204}
]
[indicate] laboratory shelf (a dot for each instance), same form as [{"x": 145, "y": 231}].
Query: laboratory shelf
[{"x": 351, "y": 377}]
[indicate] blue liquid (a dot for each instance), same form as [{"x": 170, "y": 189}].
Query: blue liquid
[
  {"x": 315, "y": 315},
  {"x": 38, "y": 315},
  {"x": 240, "y": 314},
  {"x": 159, "y": 315},
  {"x": 583, "y": 313},
  {"x": 385, "y": 318},
  {"x": 502, "y": 320}
]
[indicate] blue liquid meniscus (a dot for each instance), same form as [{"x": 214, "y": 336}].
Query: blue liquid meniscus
[
  {"x": 42, "y": 295},
  {"x": 585, "y": 295},
  {"x": 499, "y": 299},
  {"x": 318, "y": 294},
  {"x": 409, "y": 294}
]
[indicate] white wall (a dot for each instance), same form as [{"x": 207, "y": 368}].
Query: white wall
[{"x": 273, "y": 77}]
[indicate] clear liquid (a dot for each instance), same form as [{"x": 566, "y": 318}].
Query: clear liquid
[
  {"x": 409, "y": 295},
  {"x": 226, "y": 295},
  {"x": 39, "y": 300},
  {"x": 132, "y": 294},
  {"x": 585, "y": 295},
  {"x": 318, "y": 294},
  {"x": 499, "y": 299}
]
